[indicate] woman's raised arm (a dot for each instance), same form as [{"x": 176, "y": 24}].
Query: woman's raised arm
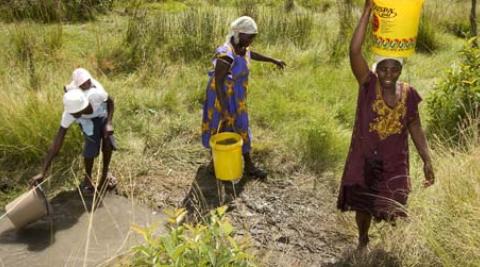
[{"x": 357, "y": 62}]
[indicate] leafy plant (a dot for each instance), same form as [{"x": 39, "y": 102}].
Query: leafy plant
[
  {"x": 208, "y": 244},
  {"x": 456, "y": 99}
]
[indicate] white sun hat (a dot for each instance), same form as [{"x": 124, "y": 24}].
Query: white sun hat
[
  {"x": 80, "y": 76},
  {"x": 74, "y": 101}
]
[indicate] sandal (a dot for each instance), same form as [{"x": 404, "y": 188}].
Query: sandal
[
  {"x": 111, "y": 181},
  {"x": 257, "y": 173},
  {"x": 87, "y": 189}
]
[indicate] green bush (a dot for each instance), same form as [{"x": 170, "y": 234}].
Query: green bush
[
  {"x": 208, "y": 244},
  {"x": 456, "y": 99},
  {"x": 322, "y": 145}
]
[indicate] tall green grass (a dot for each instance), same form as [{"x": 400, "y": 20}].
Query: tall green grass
[
  {"x": 48, "y": 11},
  {"x": 29, "y": 123},
  {"x": 192, "y": 35},
  {"x": 427, "y": 40}
]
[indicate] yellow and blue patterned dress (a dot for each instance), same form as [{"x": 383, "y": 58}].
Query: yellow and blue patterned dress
[{"x": 235, "y": 119}]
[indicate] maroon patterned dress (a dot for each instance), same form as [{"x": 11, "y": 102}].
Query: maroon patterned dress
[{"x": 376, "y": 175}]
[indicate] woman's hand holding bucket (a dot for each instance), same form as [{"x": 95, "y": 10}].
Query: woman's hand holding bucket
[{"x": 36, "y": 180}]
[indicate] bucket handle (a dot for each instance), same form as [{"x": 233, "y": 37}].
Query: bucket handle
[
  {"x": 220, "y": 126},
  {"x": 44, "y": 196}
]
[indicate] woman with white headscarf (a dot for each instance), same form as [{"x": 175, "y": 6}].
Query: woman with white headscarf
[{"x": 226, "y": 92}]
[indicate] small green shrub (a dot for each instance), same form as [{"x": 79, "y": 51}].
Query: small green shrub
[
  {"x": 208, "y": 244},
  {"x": 456, "y": 99},
  {"x": 322, "y": 145}
]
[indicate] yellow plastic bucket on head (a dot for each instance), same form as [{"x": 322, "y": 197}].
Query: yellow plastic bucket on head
[
  {"x": 227, "y": 156},
  {"x": 395, "y": 27}
]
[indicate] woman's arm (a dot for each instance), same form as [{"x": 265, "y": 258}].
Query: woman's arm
[
  {"x": 420, "y": 141},
  {"x": 259, "y": 57},
  {"x": 222, "y": 67},
  {"x": 357, "y": 62}
]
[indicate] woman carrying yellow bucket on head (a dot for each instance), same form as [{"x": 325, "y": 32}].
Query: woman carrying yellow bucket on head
[
  {"x": 375, "y": 183},
  {"x": 226, "y": 93}
]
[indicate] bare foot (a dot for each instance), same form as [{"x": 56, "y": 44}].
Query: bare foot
[
  {"x": 362, "y": 247},
  {"x": 111, "y": 181}
]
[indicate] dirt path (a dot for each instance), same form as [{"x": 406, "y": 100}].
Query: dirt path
[
  {"x": 291, "y": 220},
  {"x": 60, "y": 240}
]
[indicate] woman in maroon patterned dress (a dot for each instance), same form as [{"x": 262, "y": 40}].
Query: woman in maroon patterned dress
[{"x": 375, "y": 181}]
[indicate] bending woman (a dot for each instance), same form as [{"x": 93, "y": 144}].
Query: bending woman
[
  {"x": 226, "y": 94},
  {"x": 375, "y": 180}
]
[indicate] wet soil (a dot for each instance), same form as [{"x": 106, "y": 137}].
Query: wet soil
[{"x": 61, "y": 238}]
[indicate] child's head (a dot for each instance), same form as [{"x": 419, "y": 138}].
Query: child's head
[{"x": 82, "y": 78}]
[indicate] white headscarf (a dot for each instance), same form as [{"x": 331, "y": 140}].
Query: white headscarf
[
  {"x": 379, "y": 59},
  {"x": 244, "y": 24},
  {"x": 79, "y": 76}
]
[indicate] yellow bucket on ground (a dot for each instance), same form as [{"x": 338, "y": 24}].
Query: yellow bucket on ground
[
  {"x": 395, "y": 27},
  {"x": 28, "y": 207},
  {"x": 227, "y": 156}
]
